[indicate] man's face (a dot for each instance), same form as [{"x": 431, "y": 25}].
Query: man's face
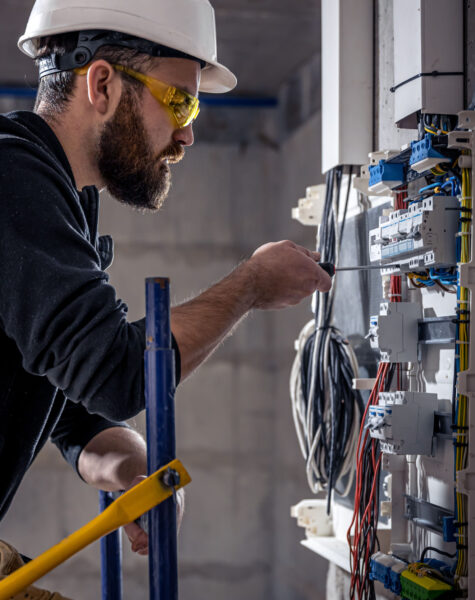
[{"x": 139, "y": 142}]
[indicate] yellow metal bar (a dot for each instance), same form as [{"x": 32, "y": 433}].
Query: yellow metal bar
[{"x": 127, "y": 508}]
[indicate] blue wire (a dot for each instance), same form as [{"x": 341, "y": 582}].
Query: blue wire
[
  {"x": 457, "y": 370},
  {"x": 429, "y": 187}
]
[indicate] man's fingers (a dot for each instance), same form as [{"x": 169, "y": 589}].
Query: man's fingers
[
  {"x": 313, "y": 255},
  {"x": 138, "y": 538}
]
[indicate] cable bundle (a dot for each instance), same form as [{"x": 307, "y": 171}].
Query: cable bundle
[
  {"x": 326, "y": 410},
  {"x": 363, "y": 527},
  {"x": 460, "y": 402}
]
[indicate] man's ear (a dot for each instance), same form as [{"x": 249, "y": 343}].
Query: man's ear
[{"x": 104, "y": 88}]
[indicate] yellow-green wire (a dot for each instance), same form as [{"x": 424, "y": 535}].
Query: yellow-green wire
[{"x": 461, "y": 452}]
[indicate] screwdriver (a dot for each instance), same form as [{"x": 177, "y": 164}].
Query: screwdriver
[{"x": 331, "y": 269}]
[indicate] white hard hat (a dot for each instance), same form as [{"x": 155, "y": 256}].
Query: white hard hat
[{"x": 187, "y": 26}]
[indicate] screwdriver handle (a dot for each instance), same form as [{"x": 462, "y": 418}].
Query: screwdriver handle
[{"x": 328, "y": 267}]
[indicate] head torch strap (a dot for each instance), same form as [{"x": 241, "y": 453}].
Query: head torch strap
[{"x": 89, "y": 43}]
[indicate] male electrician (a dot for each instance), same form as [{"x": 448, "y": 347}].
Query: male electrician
[{"x": 117, "y": 97}]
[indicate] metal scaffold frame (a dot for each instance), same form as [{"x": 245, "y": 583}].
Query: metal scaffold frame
[{"x": 159, "y": 367}]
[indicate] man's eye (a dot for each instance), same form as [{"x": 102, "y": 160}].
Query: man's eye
[
  {"x": 180, "y": 110},
  {"x": 178, "y": 98}
]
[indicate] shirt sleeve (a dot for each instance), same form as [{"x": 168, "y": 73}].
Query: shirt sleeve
[
  {"x": 76, "y": 428},
  {"x": 55, "y": 301}
]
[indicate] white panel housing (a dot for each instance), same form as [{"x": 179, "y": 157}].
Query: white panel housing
[
  {"x": 394, "y": 331},
  {"x": 347, "y": 82},
  {"x": 428, "y": 36},
  {"x": 404, "y": 422}
]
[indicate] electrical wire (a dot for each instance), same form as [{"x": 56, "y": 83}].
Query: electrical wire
[
  {"x": 437, "y": 550},
  {"x": 460, "y": 406},
  {"x": 325, "y": 408},
  {"x": 362, "y": 532}
]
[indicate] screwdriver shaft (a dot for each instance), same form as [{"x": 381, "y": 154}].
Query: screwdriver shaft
[{"x": 366, "y": 267}]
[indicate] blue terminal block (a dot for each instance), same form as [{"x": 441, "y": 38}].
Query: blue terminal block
[
  {"x": 423, "y": 150},
  {"x": 379, "y": 571},
  {"x": 387, "y": 569},
  {"x": 395, "y": 581},
  {"x": 449, "y": 529},
  {"x": 385, "y": 175}
]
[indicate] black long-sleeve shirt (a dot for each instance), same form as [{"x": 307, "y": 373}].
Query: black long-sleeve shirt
[{"x": 71, "y": 365}]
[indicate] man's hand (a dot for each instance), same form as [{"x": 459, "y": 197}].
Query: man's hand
[
  {"x": 284, "y": 274},
  {"x": 137, "y": 536}
]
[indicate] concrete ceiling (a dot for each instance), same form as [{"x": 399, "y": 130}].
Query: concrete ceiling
[{"x": 262, "y": 41}]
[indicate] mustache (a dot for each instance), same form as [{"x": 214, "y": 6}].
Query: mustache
[{"x": 174, "y": 153}]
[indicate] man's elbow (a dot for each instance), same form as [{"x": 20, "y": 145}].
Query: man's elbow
[{"x": 113, "y": 409}]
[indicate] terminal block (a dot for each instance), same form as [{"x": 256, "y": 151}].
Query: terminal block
[
  {"x": 384, "y": 176},
  {"x": 417, "y": 586},
  {"x": 419, "y": 237},
  {"x": 424, "y": 156},
  {"x": 387, "y": 569},
  {"x": 403, "y": 422},
  {"x": 394, "y": 332}
]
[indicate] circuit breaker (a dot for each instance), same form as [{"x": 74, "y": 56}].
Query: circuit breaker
[
  {"x": 403, "y": 422},
  {"x": 394, "y": 331},
  {"x": 421, "y": 236}
]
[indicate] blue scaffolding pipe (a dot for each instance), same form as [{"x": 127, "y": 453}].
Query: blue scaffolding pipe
[
  {"x": 160, "y": 406},
  {"x": 111, "y": 557},
  {"x": 160, "y": 411},
  {"x": 239, "y": 101},
  {"x": 18, "y": 92},
  {"x": 220, "y": 101}
]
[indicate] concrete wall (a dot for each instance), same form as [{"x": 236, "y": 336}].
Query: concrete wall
[{"x": 234, "y": 425}]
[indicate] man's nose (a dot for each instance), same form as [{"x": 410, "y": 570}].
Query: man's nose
[{"x": 184, "y": 136}]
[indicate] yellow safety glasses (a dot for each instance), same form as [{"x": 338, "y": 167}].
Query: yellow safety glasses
[{"x": 183, "y": 106}]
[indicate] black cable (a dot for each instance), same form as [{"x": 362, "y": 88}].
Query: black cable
[
  {"x": 432, "y": 549},
  {"x": 347, "y": 199},
  {"x": 339, "y": 400}
]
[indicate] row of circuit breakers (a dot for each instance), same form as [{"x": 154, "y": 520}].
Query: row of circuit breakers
[
  {"x": 419, "y": 237},
  {"x": 422, "y": 239}
]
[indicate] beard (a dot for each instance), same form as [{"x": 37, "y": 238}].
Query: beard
[{"x": 132, "y": 172}]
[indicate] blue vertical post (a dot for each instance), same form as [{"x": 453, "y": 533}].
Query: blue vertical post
[
  {"x": 111, "y": 557},
  {"x": 160, "y": 398}
]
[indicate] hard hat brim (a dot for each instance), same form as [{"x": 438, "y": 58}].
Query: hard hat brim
[{"x": 217, "y": 79}]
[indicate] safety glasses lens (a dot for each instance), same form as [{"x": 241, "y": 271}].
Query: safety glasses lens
[{"x": 185, "y": 107}]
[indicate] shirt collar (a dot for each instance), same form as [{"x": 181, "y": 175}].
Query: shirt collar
[{"x": 46, "y": 137}]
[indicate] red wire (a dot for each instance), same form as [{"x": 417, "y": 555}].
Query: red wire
[
  {"x": 358, "y": 570},
  {"x": 356, "y": 523}
]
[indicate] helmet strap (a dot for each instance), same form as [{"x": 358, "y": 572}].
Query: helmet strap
[{"x": 89, "y": 43}]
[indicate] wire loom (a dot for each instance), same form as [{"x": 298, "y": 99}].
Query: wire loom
[
  {"x": 326, "y": 410},
  {"x": 460, "y": 402},
  {"x": 362, "y": 532}
]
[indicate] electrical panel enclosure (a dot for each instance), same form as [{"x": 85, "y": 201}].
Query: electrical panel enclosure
[
  {"x": 347, "y": 82},
  {"x": 428, "y": 39}
]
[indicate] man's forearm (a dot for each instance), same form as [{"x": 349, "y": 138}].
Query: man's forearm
[
  {"x": 201, "y": 324},
  {"x": 277, "y": 275},
  {"x": 113, "y": 458}
]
